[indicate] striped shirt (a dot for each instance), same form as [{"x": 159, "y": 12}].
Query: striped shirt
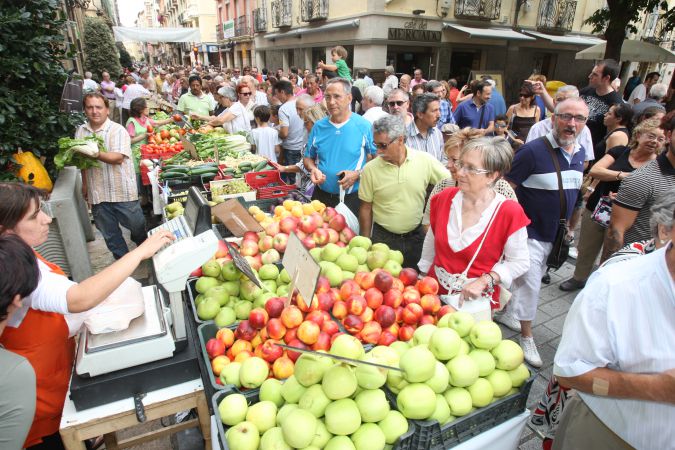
[
  {"x": 110, "y": 182},
  {"x": 432, "y": 143},
  {"x": 623, "y": 320}
]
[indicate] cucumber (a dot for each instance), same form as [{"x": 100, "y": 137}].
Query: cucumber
[
  {"x": 204, "y": 171},
  {"x": 173, "y": 176},
  {"x": 245, "y": 164},
  {"x": 176, "y": 168},
  {"x": 260, "y": 166}
]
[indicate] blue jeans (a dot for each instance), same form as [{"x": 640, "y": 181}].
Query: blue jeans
[
  {"x": 108, "y": 216},
  {"x": 291, "y": 157}
]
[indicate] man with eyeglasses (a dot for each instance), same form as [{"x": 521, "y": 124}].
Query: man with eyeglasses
[
  {"x": 534, "y": 178},
  {"x": 398, "y": 102},
  {"x": 600, "y": 96},
  {"x": 422, "y": 132},
  {"x": 236, "y": 75},
  {"x": 393, "y": 189}
]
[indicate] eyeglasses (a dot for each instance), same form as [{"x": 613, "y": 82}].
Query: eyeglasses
[
  {"x": 453, "y": 162},
  {"x": 568, "y": 117},
  {"x": 653, "y": 137},
  {"x": 245, "y": 93},
  {"x": 397, "y": 103},
  {"x": 472, "y": 170},
  {"x": 499, "y": 125},
  {"x": 383, "y": 146}
]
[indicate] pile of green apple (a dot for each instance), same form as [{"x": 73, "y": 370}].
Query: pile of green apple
[
  {"x": 325, "y": 404},
  {"x": 226, "y": 296},
  {"x": 454, "y": 367},
  {"x": 360, "y": 255}
]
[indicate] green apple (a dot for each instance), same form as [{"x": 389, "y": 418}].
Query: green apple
[
  {"x": 444, "y": 322},
  {"x": 380, "y": 247},
  {"x": 500, "y": 381},
  {"x": 371, "y": 377},
  {"x": 232, "y": 288},
  {"x": 291, "y": 391},
  {"x": 396, "y": 256},
  {"x": 208, "y": 309},
  {"x": 284, "y": 277},
  {"x": 270, "y": 286},
  {"x": 418, "y": 364},
  {"x": 519, "y": 375},
  {"x": 386, "y": 354},
  {"x": 273, "y": 439},
  {"x": 309, "y": 368},
  {"x": 282, "y": 291},
  {"x": 314, "y": 400},
  {"x": 220, "y": 293},
  {"x": 249, "y": 290},
  {"x": 226, "y": 316},
  {"x": 330, "y": 252},
  {"x": 321, "y": 435},
  {"x": 315, "y": 253},
  {"x": 347, "y": 262},
  {"x": 394, "y": 425},
  {"x": 243, "y": 436},
  {"x": 444, "y": 343},
  {"x": 211, "y": 268},
  {"x": 359, "y": 253},
  {"x": 242, "y": 309},
  {"x": 439, "y": 382},
  {"x": 400, "y": 347},
  {"x": 459, "y": 400},
  {"x": 347, "y": 346},
  {"x": 486, "y": 335},
  {"x": 481, "y": 393},
  {"x": 376, "y": 259},
  {"x": 340, "y": 442},
  {"x": 416, "y": 401},
  {"x": 230, "y": 374},
  {"x": 461, "y": 322},
  {"x": 268, "y": 272},
  {"x": 229, "y": 271},
  {"x": 253, "y": 372},
  {"x": 347, "y": 275},
  {"x": 442, "y": 411},
  {"x": 203, "y": 284},
  {"x": 284, "y": 411},
  {"x": 270, "y": 390},
  {"x": 422, "y": 334},
  {"x": 299, "y": 428},
  {"x": 484, "y": 360},
  {"x": 360, "y": 241},
  {"x": 396, "y": 380},
  {"x": 508, "y": 355},
  {"x": 464, "y": 348},
  {"x": 339, "y": 382},
  {"x": 263, "y": 415},
  {"x": 334, "y": 275},
  {"x": 372, "y": 404},
  {"x": 362, "y": 268},
  {"x": 393, "y": 267},
  {"x": 463, "y": 371},
  {"x": 342, "y": 417},
  {"x": 369, "y": 437},
  {"x": 232, "y": 409}
]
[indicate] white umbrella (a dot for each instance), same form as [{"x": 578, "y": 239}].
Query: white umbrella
[{"x": 636, "y": 51}]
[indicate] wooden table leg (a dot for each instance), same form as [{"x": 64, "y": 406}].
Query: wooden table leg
[
  {"x": 110, "y": 441},
  {"x": 204, "y": 418},
  {"x": 71, "y": 441}
]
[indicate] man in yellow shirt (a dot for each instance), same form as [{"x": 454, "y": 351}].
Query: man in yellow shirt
[{"x": 393, "y": 190}]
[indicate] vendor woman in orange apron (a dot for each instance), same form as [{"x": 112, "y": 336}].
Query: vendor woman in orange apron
[{"x": 38, "y": 331}]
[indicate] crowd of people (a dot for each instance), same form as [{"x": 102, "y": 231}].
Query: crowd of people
[{"x": 483, "y": 197}]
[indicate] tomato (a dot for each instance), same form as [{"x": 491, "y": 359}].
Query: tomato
[
  {"x": 150, "y": 129},
  {"x": 177, "y": 118},
  {"x": 181, "y": 131},
  {"x": 165, "y": 134}
]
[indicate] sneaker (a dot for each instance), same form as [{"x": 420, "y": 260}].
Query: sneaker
[
  {"x": 571, "y": 285},
  {"x": 530, "y": 349},
  {"x": 508, "y": 321},
  {"x": 573, "y": 253}
]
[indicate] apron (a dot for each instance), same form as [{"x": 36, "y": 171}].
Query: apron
[
  {"x": 136, "y": 148},
  {"x": 42, "y": 338}
]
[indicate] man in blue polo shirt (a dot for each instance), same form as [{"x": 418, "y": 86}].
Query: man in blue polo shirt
[
  {"x": 533, "y": 175},
  {"x": 338, "y": 147},
  {"x": 476, "y": 112}
]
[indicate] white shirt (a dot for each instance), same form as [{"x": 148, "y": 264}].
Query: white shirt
[
  {"x": 624, "y": 320},
  {"x": 516, "y": 258},
  {"x": 389, "y": 84},
  {"x": 265, "y": 139},
  {"x": 49, "y": 296},
  {"x": 90, "y": 85},
  {"x": 543, "y": 127},
  {"x": 261, "y": 98},
  {"x": 374, "y": 113},
  {"x": 240, "y": 121},
  {"x": 132, "y": 92},
  {"x": 639, "y": 93}
]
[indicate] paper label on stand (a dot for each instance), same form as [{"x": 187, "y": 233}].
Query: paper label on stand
[
  {"x": 234, "y": 216},
  {"x": 301, "y": 267},
  {"x": 190, "y": 147},
  {"x": 243, "y": 265}
]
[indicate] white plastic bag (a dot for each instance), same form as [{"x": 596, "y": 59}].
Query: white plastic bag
[
  {"x": 112, "y": 314},
  {"x": 479, "y": 308},
  {"x": 350, "y": 218}
]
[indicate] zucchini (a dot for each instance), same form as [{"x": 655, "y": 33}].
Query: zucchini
[
  {"x": 260, "y": 166},
  {"x": 176, "y": 168},
  {"x": 245, "y": 164},
  {"x": 204, "y": 171},
  {"x": 173, "y": 176}
]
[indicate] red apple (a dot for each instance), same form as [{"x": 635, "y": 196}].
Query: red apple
[
  {"x": 307, "y": 224},
  {"x": 283, "y": 368},
  {"x": 317, "y": 219},
  {"x": 249, "y": 248},
  {"x": 325, "y": 301},
  {"x": 215, "y": 347},
  {"x": 371, "y": 332},
  {"x": 430, "y": 303},
  {"x": 218, "y": 363},
  {"x": 197, "y": 272},
  {"x": 258, "y": 318},
  {"x": 412, "y": 314},
  {"x": 397, "y": 284},
  {"x": 329, "y": 213},
  {"x": 321, "y": 236},
  {"x": 272, "y": 229},
  {"x": 367, "y": 315},
  {"x": 251, "y": 236},
  {"x": 226, "y": 336},
  {"x": 304, "y": 305},
  {"x": 353, "y": 324},
  {"x": 330, "y": 327},
  {"x": 385, "y": 316},
  {"x": 275, "y": 329},
  {"x": 308, "y": 332},
  {"x": 393, "y": 329},
  {"x": 445, "y": 309},
  {"x": 346, "y": 235},
  {"x": 291, "y": 316},
  {"x": 266, "y": 243},
  {"x": 340, "y": 244},
  {"x": 408, "y": 276},
  {"x": 239, "y": 346},
  {"x": 333, "y": 236},
  {"x": 340, "y": 310},
  {"x": 288, "y": 224},
  {"x": 337, "y": 222},
  {"x": 254, "y": 261},
  {"x": 399, "y": 314},
  {"x": 374, "y": 298},
  {"x": 383, "y": 281},
  {"x": 309, "y": 242},
  {"x": 427, "y": 319},
  {"x": 356, "y": 304},
  {"x": 427, "y": 285},
  {"x": 411, "y": 295},
  {"x": 322, "y": 342},
  {"x": 291, "y": 333},
  {"x": 245, "y": 331},
  {"x": 297, "y": 344},
  {"x": 387, "y": 338},
  {"x": 405, "y": 333},
  {"x": 280, "y": 242},
  {"x": 301, "y": 235},
  {"x": 349, "y": 288},
  {"x": 315, "y": 316},
  {"x": 270, "y": 352},
  {"x": 393, "y": 298},
  {"x": 274, "y": 306},
  {"x": 322, "y": 285},
  {"x": 222, "y": 250},
  {"x": 368, "y": 281}
]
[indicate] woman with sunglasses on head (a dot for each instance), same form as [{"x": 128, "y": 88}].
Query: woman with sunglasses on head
[
  {"x": 523, "y": 114},
  {"x": 475, "y": 229},
  {"x": 39, "y": 330}
]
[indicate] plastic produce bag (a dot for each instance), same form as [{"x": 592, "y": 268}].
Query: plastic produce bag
[
  {"x": 350, "y": 218},
  {"x": 479, "y": 308}
]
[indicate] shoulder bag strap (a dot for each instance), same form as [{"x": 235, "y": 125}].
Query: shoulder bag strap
[
  {"x": 482, "y": 112},
  {"x": 556, "y": 163},
  {"x": 487, "y": 229}
]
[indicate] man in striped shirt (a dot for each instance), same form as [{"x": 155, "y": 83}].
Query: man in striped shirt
[
  {"x": 422, "y": 133},
  {"x": 111, "y": 188}
]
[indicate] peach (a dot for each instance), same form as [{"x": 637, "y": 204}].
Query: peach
[
  {"x": 239, "y": 346},
  {"x": 218, "y": 363},
  {"x": 430, "y": 303},
  {"x": 283, "y": 368},
  {"x": 226, "y": 336},
  {"x": 340, "y": 310},
  {"x": 374, "y": 298},
  {"x": 308, "y": 332},
  {"x": 275, "y": 329},
  {"x": 291, "y": 316},
  {"x": 371, "y": 332}
]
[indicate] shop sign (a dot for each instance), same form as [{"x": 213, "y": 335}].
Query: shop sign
[
  {"x": 228, "y": 29},
  {"x": 212, "y": 48},
  {"x": 403, "y": 34}
]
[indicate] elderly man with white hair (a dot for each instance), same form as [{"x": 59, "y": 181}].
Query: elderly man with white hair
[
  {"x": 373, "y": 97},
  {"x": 391, "y": 81},
  {"x": 89, "y": 85},
  {"x": 656, "y": 95}
]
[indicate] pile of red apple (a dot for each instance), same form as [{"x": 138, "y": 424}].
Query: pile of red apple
[
  {"x": 379, "y": 309},
  {"x": 297, "y": 325}
]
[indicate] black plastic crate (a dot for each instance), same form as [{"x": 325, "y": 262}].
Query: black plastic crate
[
  {"x": 404, "y": 442},
  {"x": 206, "y": 331},
  {"x": 192, "y": 295},
  {"x": 431, "y": 435}
]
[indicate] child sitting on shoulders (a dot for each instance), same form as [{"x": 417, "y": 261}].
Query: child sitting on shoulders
[{"x": 339, "y": 55}]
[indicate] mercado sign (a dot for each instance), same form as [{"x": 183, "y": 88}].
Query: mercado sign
[{"x": 407, "y": 34}]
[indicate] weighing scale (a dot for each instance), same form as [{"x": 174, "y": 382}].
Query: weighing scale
[{"x": 161, "y": 330}]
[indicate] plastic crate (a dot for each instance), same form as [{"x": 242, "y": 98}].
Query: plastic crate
[
  {"x": 248, "y": 196},
  {"x": 192, "y": 295},
  {"x": 404, "y": 442},
  {"x": 268, "y": 204},
  {"x": 268, "y": 184},
  {"x": 431, "y": 435},
  {"x": 206, "y": 331}
]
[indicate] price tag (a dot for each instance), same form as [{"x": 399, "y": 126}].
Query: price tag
[
  {"x": 190, "y": 147},
  {"x": 235, "y": 217},
  {"x": 243, "y": 265},
  {"x": 301, "y": 267}
]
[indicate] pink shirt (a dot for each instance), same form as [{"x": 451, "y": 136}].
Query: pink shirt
[
  {"x": 414, "y": 82},
  {"x": 317, "y": 98}
]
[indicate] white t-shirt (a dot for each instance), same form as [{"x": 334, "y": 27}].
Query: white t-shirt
[
  {"x": 639, "y": 93},
  {"x": 90, "y": 85},
  {"x": 132, "y": 92},
  {"x": 49, "y": 296},
  {"x": 240, "y": 121},
  {"x": 265, "y": 139},
  {"x": 374, "y": 113}
]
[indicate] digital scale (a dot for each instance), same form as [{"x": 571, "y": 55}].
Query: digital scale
[{"x": 161, "y": 330}]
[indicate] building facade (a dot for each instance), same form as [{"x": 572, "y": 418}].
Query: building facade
[
  {"x": 235, "y": 32},
  {"x": 199, "y": 14}
]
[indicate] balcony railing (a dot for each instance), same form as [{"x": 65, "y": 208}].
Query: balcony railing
[
  {"x": 478, "y": 9},
  {"x": 556, "y": 16},
  {"x": 242, "y": 26},
  {"x": 259, "y": 20},
  {"x": 282, "y": 15},
  {"x": 311, "y": 10},
  {"x": 656, "y": 29},
  {"x": 181, "y": 18}
]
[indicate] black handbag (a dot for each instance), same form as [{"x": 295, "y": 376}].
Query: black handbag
[{"x": 561, "y": 248}]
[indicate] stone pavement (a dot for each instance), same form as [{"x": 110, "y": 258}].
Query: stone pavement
[{"x": 551, "y": 313}]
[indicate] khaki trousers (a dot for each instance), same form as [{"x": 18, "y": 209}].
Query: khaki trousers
[
  {"x": 580, "y": 429},
  {"x": 591, "y": 237}
]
